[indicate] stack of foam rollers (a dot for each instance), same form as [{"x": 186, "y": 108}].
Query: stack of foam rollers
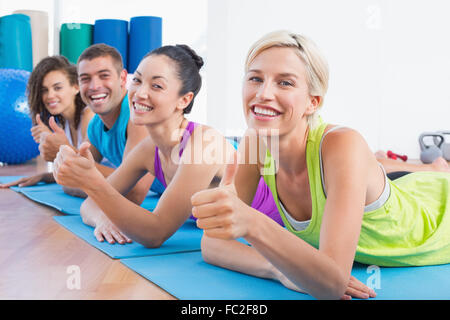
[{"x": 24, "y": 38}]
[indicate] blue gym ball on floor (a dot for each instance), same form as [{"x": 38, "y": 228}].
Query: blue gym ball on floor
[{"x": 16, "y": 143}]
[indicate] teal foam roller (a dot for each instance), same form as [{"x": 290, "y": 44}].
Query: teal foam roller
[{"x": 16, "y": 47}]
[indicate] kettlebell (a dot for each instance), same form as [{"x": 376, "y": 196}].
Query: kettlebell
[
  {"x": 445, "y": 145},
  {"x": 429, "y": 153}
]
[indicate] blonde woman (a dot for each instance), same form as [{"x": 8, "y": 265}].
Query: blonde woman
[{"x": 334, "y": 197}]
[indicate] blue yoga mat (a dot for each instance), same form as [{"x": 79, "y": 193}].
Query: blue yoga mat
[
  {"x": 52, "y": 195},
  {"x": 406, "y": 283},
  {"x": 145, "y": 35},
  {"x": 41, "y": 186},
  {"x": 113, "y": 32},
  {"x": 16, "y": 42},
  {"x": 187, "y": 238},
  {"x": 188, "y": 277},
  {"x": 6, "y": 179},
  {"x": 55, "y": 197}
]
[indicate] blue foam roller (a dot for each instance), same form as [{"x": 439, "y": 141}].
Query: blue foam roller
[
  {"x": 16, "y": 143},
  {"x": 145, "y": 35},
  {"x": 113, "y": 32},
  {"x": 16, "y": 42}
]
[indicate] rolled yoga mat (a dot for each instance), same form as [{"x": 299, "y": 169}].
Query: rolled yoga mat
[
  {"x": 74, "y": 38},
  {"x": 145, "y": 35},
  {"x": 16, "y": 42},
  {"x": 114, "y": 33},
  {"x": 39, "y": 33}
]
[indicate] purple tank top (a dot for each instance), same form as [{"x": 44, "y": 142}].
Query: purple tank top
[
  {"x": 159, "y": 174},
  {"x": 263, "y": 200}
]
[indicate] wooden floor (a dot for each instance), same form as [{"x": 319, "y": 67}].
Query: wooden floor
[{"x": 39, "y": 259}]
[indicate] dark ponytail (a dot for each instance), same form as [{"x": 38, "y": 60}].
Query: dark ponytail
[{"x": 188, "y": 67}]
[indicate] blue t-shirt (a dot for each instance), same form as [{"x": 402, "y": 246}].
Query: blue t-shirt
[{"x": 110, "y": 143}]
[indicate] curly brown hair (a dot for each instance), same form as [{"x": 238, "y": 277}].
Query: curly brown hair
[{"x": 34, "y": 88}]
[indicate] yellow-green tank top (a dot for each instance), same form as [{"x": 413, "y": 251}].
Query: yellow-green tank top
[{"x": 412, "y": 228}]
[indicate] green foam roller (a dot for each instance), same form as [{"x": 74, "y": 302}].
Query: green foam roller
[{"x": 74, "y": 38}]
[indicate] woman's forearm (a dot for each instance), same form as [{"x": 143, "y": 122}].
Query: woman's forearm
[
  {"x": 136, "y": 222},
  {"x": 90, "y": 212},
  {"x": 75, "y": 192},
  {"x": 302, "y": 264},
  {"x": 237, "y": 256}
]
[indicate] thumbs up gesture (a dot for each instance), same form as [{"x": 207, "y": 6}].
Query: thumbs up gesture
[
  {"x": 38, "y": 129},
  {"x": 50, "y": 142},
  {"x": 75, "y": 169},
  {"x": 219, "y": 211}
]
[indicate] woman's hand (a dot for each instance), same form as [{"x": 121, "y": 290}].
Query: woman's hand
[
  {"x": 219, "y": 211},
  {"x": 75, "y": 169},
  {"x": 106, "y": 230},
  {"x": 50, "y": 142},
  {"x": 357, "y": 289},
  {"x": 38, "y": 129},
  {"x": 28, "y": 181}
]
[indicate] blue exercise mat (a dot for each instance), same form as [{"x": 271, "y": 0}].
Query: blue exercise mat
[
  {"x": 55, "y": 198},
  {"x": 42, "y": 186},
  {"x": 6, "y": 179},
  {"x": 52, "y": 195},
  {"x": 145, "y": 35},
  {"x": 406, "y": 283},
  {"x": 114, "y": 33},
  {"x": 187, "y": 238},
  {"x": 16, "y": 42},
  {"x": 187, "y": 277}
]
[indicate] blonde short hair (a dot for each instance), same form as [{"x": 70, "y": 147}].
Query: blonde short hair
[{"x": 315, "y": 64}]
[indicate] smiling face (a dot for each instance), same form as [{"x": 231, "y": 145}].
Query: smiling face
[
  {"x": 154, "y": 91},
  {"x": 58, "y": 95},
  {"x": 275, "y": 91},
  {"x": 101, "y": 86}
]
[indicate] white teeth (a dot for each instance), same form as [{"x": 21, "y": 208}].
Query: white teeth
[
  {"x": 99, "y": 96},
  {"x": 141, "y": 107},
  {"x": 52, "y": 104},
  {"x": 264, "y": 111}
]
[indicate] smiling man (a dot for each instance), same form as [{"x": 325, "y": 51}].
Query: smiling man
[{"x": 102, "y": 80}]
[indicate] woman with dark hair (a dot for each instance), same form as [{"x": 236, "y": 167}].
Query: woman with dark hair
[
  {"x": 55, "y": 107},
  {"x": 161, "y": 92},
  {"x": 183, "y": 157}
]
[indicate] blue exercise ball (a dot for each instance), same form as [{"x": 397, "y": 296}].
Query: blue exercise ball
[{"x": 16, "y": 143}]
